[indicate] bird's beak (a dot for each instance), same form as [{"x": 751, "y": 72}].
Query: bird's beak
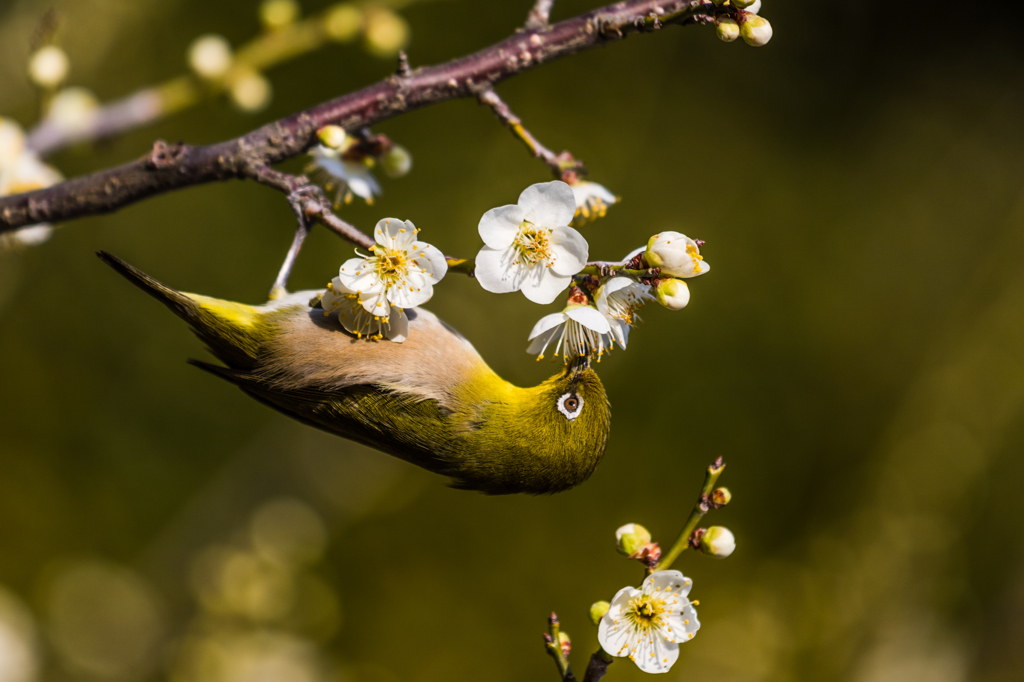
[{"x": 578, "y": 366}]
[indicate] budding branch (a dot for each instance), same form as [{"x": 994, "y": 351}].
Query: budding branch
[{"x": 174, "y": 166}]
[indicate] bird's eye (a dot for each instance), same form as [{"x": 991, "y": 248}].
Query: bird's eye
[{"x": 570, "y": 405}]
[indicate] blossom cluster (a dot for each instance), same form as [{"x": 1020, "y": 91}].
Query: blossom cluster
[
  {"x": 22, "y": 171},
  {"x": 531, "y": 247}
]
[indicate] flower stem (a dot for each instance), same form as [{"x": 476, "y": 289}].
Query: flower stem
[
  {"x": 554, "y": 649},
  {"x": 598, "y": 666},
  {"x": 699, "y": 510},
  {"x": 464, "y": 265}
]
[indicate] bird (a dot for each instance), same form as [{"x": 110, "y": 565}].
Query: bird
[{"x": 431, "y": 401}]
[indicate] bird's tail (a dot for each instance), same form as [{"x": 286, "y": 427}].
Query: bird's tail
[{"x": 231, "y": 330}]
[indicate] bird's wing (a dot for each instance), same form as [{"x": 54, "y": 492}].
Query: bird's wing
[
  {"x": 311, "y": 350},
  {"x": 400, "y": 424}
]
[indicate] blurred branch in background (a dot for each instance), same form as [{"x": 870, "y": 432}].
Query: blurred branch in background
[{"x": 218, "y": 69}]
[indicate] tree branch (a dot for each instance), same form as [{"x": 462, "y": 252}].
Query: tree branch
[
  {"x": 558, "y": 163},
  {"x": 170, "y": 167},
  {"x": 598, "y": 666},
  {"x": 699, "y": 510}
]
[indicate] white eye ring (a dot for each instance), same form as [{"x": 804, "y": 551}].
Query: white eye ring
[{"x": 570, "y": 414}]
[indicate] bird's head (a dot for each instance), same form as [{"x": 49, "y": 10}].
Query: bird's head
[{"x": 542, "y": 439}]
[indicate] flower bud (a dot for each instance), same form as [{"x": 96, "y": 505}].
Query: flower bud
[
  {"x": 672, "y": 293},
  {"x": 251, "y": 92},
  {"x": 754, "y": 7},
  {"x": 397, "y": 161},
  {"x": 756, "y": 31},
  {"x": 278, "y": 13},
  {"x": 332, "y": 136},
  {"x": 386, "y": 33},
  {"x": 676, "y": 254},
  {"x": 742, "y": 4},
  {"x": 48, "y": 66},
  {"x": 717, "y": 541},
  {"x": 210, "y": 56},
  {"x": 720, "y": 497},
  {"x": 631, "y": 538},
  {"x": 564, "y": 643},
  {"x": 597, "y": 611},
  {"x": 342, "y": 22},
  {"x": 728, "y": 30}
]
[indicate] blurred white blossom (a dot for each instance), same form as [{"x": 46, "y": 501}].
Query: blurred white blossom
[
  {"x": 48, "y": 66},
  {"x": 347, "y": 176}
]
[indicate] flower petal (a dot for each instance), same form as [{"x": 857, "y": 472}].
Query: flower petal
[
  {"x": 398, "y": 331},
  {"x": 540, "y": 344},
  {"x": 357, "y": 275},
  {"x": 591, "y": 318},
  {"x": 571, "y": 250},
  {"x": 429, "y": 258},
  {"x": 409, "y": 294},
  {"x": 549, "y": 204},
  {"x": 496, "y": 271},
  {"x": 543, "y": 286},
  {"x": 613, "y": 633},
  {"x": 546, "y": 323},
  {"x": 392, "y": 233},
  {"x": 667, "y": 581},
  {"x": 619, "y": 331},
  {"x": 377, "y": 304},
  {"x": 499, "y": 226}
]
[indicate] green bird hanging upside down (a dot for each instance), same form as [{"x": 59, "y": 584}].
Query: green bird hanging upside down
[{"x": 431, "y": 400}]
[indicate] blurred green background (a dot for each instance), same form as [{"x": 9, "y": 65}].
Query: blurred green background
[{"x": 856, "y": 354}]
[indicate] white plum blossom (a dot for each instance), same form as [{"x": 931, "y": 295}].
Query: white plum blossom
[
  {"x": 577, "y": 331},
  {"x": 348, "y": 176},
  {"x": 618, "y": 299},
  {"x": 353, "y": 316},
  {"x": 592, "y": 201},
  {"x": 401, "y": 272},
  {"x": 676, "y": 254},
  {"x": 529, "y": 246},
  {"x": 649, "y": 624}
]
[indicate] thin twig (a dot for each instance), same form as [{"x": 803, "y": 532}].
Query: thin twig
[
  {"x": 170, "y": 167},
  {"x": 297, "y": 201},
  {"x": 699, "y": 510},
  {"x": 539, "y": 15},
  {"x": 558, "y": 163},
  {"x": 553, "y": 645}
]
